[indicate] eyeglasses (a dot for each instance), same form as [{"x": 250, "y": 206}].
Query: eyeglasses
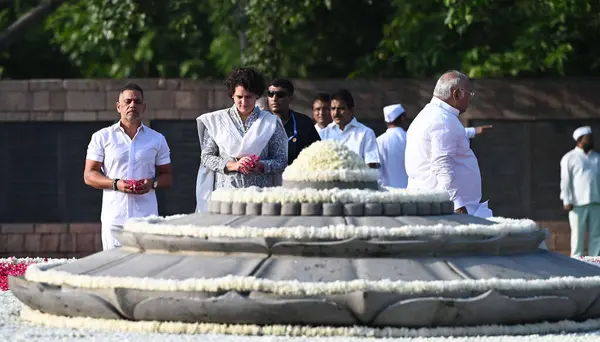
[
  {"x": 279, "y": 93},
  {"x": 471, "y": 93}
]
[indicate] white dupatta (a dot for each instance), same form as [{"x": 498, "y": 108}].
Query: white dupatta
[{"x": 223, "y": 131}]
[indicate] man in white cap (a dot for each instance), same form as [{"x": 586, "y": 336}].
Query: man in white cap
[
  {"x": 391, "y": 146},
  {"x": 580, "y": 192}
]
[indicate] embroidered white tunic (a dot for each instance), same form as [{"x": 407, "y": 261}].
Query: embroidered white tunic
[
  {"x": 438, "y": 156},
  {"x": 580, "y": 177},
  {"x": 357, "y": 137},
  {"x": 126, "y": 158},
  {"x": 392, "y": 145}
]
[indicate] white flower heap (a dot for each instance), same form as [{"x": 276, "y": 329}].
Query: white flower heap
[
  {"x": 326, "y": 161},
  {"x": 328, "y": 172}
]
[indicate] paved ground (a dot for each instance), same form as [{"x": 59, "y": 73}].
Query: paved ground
[{"x": 13, "y": 329}]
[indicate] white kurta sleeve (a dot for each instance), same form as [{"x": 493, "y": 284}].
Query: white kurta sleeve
[
  {"x": 470, "y": 132},
  {"x": 371, "y": 150},
  {"x": 566, "y": 184},
  {"x": 444, "y": 145}
]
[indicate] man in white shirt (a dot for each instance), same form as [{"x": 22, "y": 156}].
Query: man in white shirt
[
  {"x": 321, "y": 112},
  {"x": 580, "y": 192},
  {"x": 348, "y": 131},
  {"x": 391, "y": 145},
  {"x": 438, "y": 155},
  {"x": 125, "y": 151}
]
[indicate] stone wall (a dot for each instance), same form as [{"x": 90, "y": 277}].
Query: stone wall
[
  {"x": 533, "y": 121},
  {"x": 53, "y": 240},
  {"x": 172, "y": 99}
]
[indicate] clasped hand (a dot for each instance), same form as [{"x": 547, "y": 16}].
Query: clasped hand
[
  {"x": 246, "y": 166},
  {"x": 129, "y": 188}
]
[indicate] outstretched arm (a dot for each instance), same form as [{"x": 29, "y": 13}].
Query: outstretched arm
[{"x": 471, "y": 132}]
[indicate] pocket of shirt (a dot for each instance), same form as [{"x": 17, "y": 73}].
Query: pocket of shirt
[
  {"x": 146, "y": 156},
  {"x": 118, "y": 153}
]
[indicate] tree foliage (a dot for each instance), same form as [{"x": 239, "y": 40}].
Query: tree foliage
[
  {"x": 122, "y": 38},
  {"x": 309, "y": 39}
]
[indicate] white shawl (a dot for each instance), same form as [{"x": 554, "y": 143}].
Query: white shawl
[{"x": 222, "y": 129}]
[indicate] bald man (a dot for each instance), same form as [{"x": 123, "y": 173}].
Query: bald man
[{"x": 437, "y": 154}]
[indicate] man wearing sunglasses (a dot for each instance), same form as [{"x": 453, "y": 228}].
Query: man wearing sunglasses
[{"x": 299, "y": 127}]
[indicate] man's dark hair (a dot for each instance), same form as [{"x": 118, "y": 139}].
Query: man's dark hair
[
  {"x": 283, "y": 83},
  {"x": 133, "y": 87},
  {"x": 252, "y": 80},
  {"x": 323, "y": 97},
  {"x": 344, "y": 95},
  {"x": 398, "y": 121}
]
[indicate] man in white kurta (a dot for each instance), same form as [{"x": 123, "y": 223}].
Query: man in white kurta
[
  {"x": 348, "y": 131},
  {"x": 580, "y": 192},
  {"x": 391, "y": 145},
  {"x": 438, "y": 155}
]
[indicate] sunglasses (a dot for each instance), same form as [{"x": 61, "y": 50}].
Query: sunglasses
[{"x": 279, "y": 93}]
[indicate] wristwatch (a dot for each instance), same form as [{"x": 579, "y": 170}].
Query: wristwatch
[{"x": 155, "y": 184}]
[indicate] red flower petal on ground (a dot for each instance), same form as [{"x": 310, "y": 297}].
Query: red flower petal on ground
[{"x": 7, "y": 270}]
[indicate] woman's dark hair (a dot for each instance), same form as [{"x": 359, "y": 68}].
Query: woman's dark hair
[{"x": 252, "y": 80}]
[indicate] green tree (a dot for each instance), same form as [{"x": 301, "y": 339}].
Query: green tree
[
  {"x": 307, "y": 39},
  {"x": 487, "y": 38},
  {"x": 122, "y": 38},
  {"x": 27, "y": 52}
]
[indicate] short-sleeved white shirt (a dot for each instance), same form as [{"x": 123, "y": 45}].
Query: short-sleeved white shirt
[
  {"x": 126, "y": 158},
  {"x": 357, "y": 137}
]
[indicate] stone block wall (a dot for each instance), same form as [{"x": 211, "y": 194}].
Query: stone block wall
[
  {"x": 533, "y": 120},
  {"x": 52, "y": 240}
]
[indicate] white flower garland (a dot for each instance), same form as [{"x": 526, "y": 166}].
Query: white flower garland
[
  {"x": 39, "y": 274},
  {"x": 503, "y": 226},
  {"x": 328, "y": 160},
  {"x": 56, "y": 321},
  {"x": 286, "y": 195}
]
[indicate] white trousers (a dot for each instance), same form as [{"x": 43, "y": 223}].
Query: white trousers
[
  {"x": 108, "y": 241},
  {"x": 582, "y": 219}
]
